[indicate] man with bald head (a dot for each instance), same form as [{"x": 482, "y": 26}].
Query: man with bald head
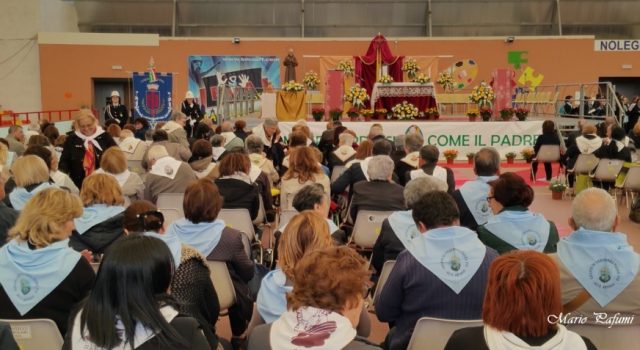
[
  {"x": 598, "y": 267},
  {"x": 231, "y": 140}
]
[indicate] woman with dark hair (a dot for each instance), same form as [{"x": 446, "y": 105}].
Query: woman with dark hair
[
  {"x": 141, "y": 315},
  {"x": 202, "y": 230},
  {"x": 141, "y": 125},
  {"x": 51, "y": 132},
  {"x": 239, "y": 129},
  {"x": 201, "y": 160},
  {"x": 304, "y": 169},
  {"x": 235, "y": 184},
  {"x": 191, "y": 284},
  {"x": 521, "y": 308},
  {"x": 549, "y": 137},
  {"x": 513, "y": 226},
  {"x": 616, "y": 148}
]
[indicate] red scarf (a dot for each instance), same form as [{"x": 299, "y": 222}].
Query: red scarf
[{"x": 89, "y": 159}]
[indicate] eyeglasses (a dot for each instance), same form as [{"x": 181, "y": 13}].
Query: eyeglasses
[{"x": 151, "y": 220}]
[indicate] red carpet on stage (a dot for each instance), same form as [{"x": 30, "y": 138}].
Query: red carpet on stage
[{"x": 463, "y": 172}]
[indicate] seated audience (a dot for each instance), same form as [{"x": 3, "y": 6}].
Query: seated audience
[
  {"x": 365, "y": 149},
  {"x": 428, "y": 164},
  {"x": 114, "y": 131},
  {"x": 142, "y": 126},
  {"x": 345, "y": 152},
  {"x": 523, "y": 294},
  {"x": 175, "y": 150},
  {"x": 327, "y": 138},
  {"x": 231, "y": 140},
  {"x": 8, "y": 215},
  {"x": 175, "y": 129},
  {"x": 141, "y": 314},
  {"x": 5, "y": 161},
  {"x": 114, "y": 163},
  {"x": 58, "y": 178},
  {"x": 598, "y": 267},
  {"x": 40, "y": 276},
  {"x": 218, "y": 150},
  {"x": 101, "y": 222},
  {"x": 587, "y": 143},
  {"x": 443, "y": 274},
  {"x": 31, "y": 175},
  {"x": 616, "y": 148},
  {"x": 379, "y": 193},
  {"x": 201, "y": 161},
  {"x": 412, "y": 144},
  {"x": 83, "y": 148},
  {"x": 471, "y": 197},
  {"x": 167, "y": 174},
  {"x": 549, "y": 137},
  {"x": 512, "y": 225},
  {"x": 324, "y": 308},
  {"x": 7, "y": 342},
  {"x": 296, "y": 139},
  {"x": 239, "y": 129},
  {"x": 15, "y": 138},
  {"x": 133, "y": 147},
  {"x": 358, "y": 171},
  {"x": 304, "y": 169},
  {"x": 51, "y": 132},
  {"x": 235, "y": 185},
  {"x": 399, "y": 228},
  {"x": 254, "y": 146},
  {"x": 213, "y": 239},
  {"x": 269, "y": 133},
  {"x": 191, "y": 283}
]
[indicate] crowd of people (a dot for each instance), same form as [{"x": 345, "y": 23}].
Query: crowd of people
[{"x": 472, "y": 252}]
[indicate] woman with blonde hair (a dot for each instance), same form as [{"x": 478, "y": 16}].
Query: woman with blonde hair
[
  {"x": 31, "y": 175},
  {"x": 101, "y": 222},
  {"x": 303, "y": 170},
  {"x": 40, "y": 276},
  {"x": 114, "y": 163},
  {"x": 83, "y": 148}
]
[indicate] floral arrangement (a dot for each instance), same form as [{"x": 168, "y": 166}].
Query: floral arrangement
[
  {"x": 482, "y": 95},
  {"x": 405, "y": 110},
  {"x": 410, "y": 66},
  {"x": 527, "y": 153},
  {"x": 432, "y": 113},
  {"x": 317, "y": 113},
  {"x": 511, "y": 155},
  {"x": 380, "y": 113},
  {"x": 450, "y": 153},
  {"x": 445, "y": 80},
  {"x": 472, "y": 113},
  {"x": 507, "y": 113},
  {"x": 292, "y": 86},
  {"x": 335, "y": 113},
  {"x": 521, "y": 113},
  {"x": 346, "y": 66},
  {"x": 368, "y": 113},
  {"x": 422, "y": 79},
  {"x": 356, "y": 96},
  {"x": 557, "y": 186},
  {"x": 311, "y": 80},
  {"x": 353, "y": 112},
  {"x": 485, "y": 113},
  {"x": 385, "y": 79}
]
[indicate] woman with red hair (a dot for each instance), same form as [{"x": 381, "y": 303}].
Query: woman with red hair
[{"x": 521, "y": 308}]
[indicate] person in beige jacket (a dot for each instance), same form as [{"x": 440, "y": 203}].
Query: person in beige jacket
[
  {"x": 254, "y": 147},
  {"x": 167, "y": 174},
  {"x": 175, "y": 129}
]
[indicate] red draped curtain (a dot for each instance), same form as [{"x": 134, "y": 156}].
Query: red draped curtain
[{"x": 377, "y": 55}]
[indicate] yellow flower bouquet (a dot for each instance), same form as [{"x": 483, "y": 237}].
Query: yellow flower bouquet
[
  {"x": 422, "y": 79},
  {"x": 405, "y": 111},
  {"x": 292, "y": 86},
  {"x": 482, "y": 95},
  {"x": 311, "y": 80},
  {"x": 410, "y": 66},
  {"x": 356, "y": 96},
  {"x": 445, "y": 80},
  {"x": 385, "y": 79},
  {"x": 346, "y": 66}
]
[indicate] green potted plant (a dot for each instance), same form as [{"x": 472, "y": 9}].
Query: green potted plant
[
  {"x": 528, "y": 154},
  {"x": 510, "y": 157},
  {"x": 485, "y": 113},
  {"x": 335, "y": 114},
  {"x": 368, "y": 114},
  {"x": 521, "y": 114},
  {"x": 450, "y": 155},
  {"x": 470, "y": 157},
  {"x": 317, "y": 113},
  {"x": 353, "y": 114},
  {"x": 472, "y": 114},
  {"x": 507, "y": 114},
  {"x": 557, "y": 189}
]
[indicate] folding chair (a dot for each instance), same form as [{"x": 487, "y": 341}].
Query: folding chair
[
  {"x": 367, "y": 228},
  {"x": 604, "y": 337},
  {"x": 337, "y": 171},
  {"x": 631, "y": 183},
  {"x": 382, "y": 280},
  {"x": 547, "y": 154},
  {"x": 240, "y": 219},
  {"x": 36, "y": 334},
  {"x": 607, "y": 171},
  {"x": 433, "y": 333},
  {"x": 221, "y": 279},
  {"x": 170, "y": 201}
]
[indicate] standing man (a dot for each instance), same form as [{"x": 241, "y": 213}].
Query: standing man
[
  {"x": 193, "y": 111},
  {"x": 116, "y": 111}
]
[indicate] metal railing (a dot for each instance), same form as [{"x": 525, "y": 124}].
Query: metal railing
[{"x": 12, "y": 118}]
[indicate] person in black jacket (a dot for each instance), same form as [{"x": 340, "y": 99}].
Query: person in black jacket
[
  {"x": 115, "y": 110},
  {"x": 235, "y": 184},
  {"x": 616, "y": 148},
  {"x": 141, "y": 315},
  {"x": 549, "y": 137},
  {"x": 193, "y": 111},
  {"x": 8, "y": 216},
  {"x": 83, "y": 148}
]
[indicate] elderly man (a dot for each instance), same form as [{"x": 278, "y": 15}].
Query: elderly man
[
  {"x": 345, "y": 152},
  {"x": 175, "y": 129},
  {"x": 176, "y": 150},
  {"x": 167, "y": 174},
  {"x": 379, "y": 193},
  {"x": 428, "y": 164},
  {"x": 442, "y": 274},
  {"x": 15, "y": 137},
  {"x": 269, "y": 133},
  {"x": 598, "y": 267},
  {"x": 472, "y": 196},
  {"x": 358, "y": 171},
  {"x": 231, "y": 140},
  {"x": 399, "y": 228},
  {"x": 412, "y": 144}
]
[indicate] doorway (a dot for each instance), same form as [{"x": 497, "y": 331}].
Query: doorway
[
  {"x": 102, "y": 88},
  {"x": 626, "y": 86}
]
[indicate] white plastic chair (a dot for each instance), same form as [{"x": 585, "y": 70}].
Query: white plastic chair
[
  {"x": 433, "y": 333},
  {"x": 170, "y": 201},
  {"x": 618, "y": 337},
  {"x": 547, "y": 154},
  {"x": 36, "y": 334},
  {"x": 585, "y": 164},
  {"x": 631, "y": 183},
  {"x": 221, "y": 279},
  {"x": 238, "y": 219},
  {"x": 382, "y": 280},
  {"x": 367, "y": 228}
]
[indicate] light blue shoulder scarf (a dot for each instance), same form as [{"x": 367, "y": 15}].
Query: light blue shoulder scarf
[
  {"x": 272, "y": 296},
  {"x": 474, "y": 193},
  {"x": 453, "y": 254},
  {"x": 403, "y": 226},
  {"x": 203, "y": 236},
  {"x": 19, "y": 196},
  {"x": 29, "y": 275},
  {"x": 521, "y": 229},
  {"x": 603, "y": 262},
  {"x": 94, "y": 215},
  {"x": 172, "y": 241}
]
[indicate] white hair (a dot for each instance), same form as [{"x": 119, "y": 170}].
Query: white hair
[
  {"x": 270, "y": 122},
  {"x": 346, "y": 139},
  {"x": 226, "y": 126},
  {"x": 176, "y": 115},
  {"x": 375, "y": 130},
  {"x": 413, "y": 142},
  {"x": 126, "y": 133},
  {"x": 156, "y": 152},
  {"x": 594, "y": 209},
  {"x": 380, "y": 168},
  {"x": 417, "y": 188}
]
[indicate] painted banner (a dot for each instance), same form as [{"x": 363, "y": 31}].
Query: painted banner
[
  {"x": 256, "y": 73},
  {"x": 463, "y": 136},
  {"x": 152, "y": 99}
]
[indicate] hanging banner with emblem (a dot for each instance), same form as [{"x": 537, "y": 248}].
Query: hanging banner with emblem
[{"x": 152, "y": 95}]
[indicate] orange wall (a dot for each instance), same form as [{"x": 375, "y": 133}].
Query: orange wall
[{"x": 66, "y": 71}]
